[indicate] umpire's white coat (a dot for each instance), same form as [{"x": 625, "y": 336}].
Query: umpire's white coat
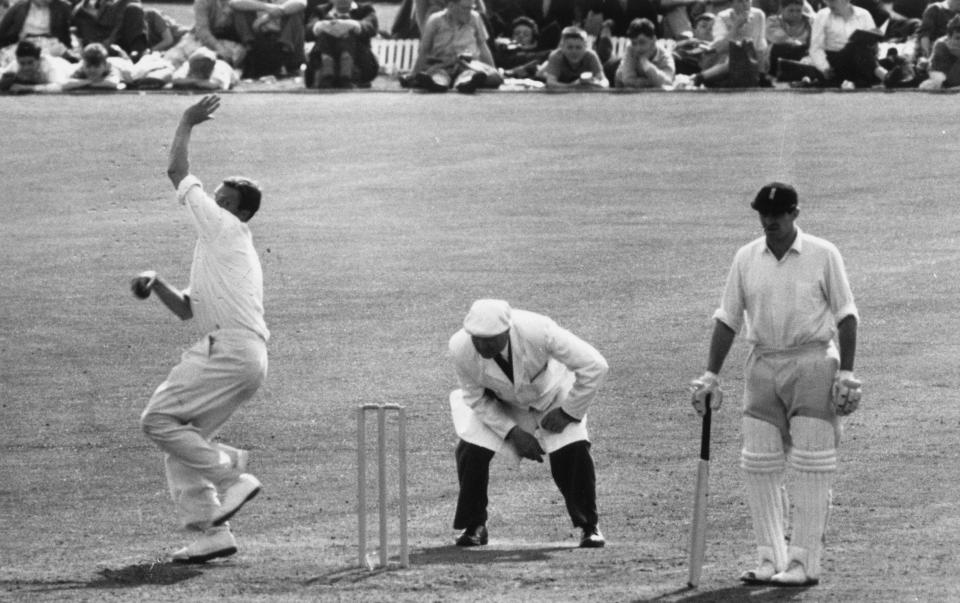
[{"x": 552, "y": 368}]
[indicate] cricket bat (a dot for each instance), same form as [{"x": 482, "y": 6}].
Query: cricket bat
[{"x": 698, "y": 530}]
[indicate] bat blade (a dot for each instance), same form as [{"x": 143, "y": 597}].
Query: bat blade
[{"x": 698, "y": 529}]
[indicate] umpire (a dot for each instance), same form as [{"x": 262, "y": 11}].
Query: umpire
[
  {"x": 526, "y": 385},
  {"x": 790, "y": 290}
]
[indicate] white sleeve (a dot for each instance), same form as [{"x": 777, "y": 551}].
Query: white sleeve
[
  {"x": 207, "y": 215},
  {"x": 838, "y": 288},
  {"x": 488, "y": 409},
  {"x": 586, "y": 363},
  {"x": 818, "y": 35}
]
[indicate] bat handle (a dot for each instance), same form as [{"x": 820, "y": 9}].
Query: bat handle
[{"x": 705, "y": 433}]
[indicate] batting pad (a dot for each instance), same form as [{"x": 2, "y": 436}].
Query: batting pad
[
  {"x": 763, "y": 462},
  {"x": 471, "y": 429},
  {"x": 815, "y": 459}
]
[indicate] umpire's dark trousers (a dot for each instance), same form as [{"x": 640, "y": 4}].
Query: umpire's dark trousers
[{"x": 572, "y": 469}]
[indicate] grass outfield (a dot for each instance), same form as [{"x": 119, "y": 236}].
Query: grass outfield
[{"x": 384, "y": 216}]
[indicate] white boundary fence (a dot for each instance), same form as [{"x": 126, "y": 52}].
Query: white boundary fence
[{"x": 398, "y": 56}]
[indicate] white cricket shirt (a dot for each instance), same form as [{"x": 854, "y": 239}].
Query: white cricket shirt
[
  {"x": 226, "y": 280},
  {"x": 790, "y": 302}
]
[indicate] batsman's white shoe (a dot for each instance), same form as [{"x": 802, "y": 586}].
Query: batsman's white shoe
[
  {"x": 766, "y": 567},
  {"x": 794, "y": 575},
  {"x": 236, "y": 495},
  {"x": 761, "y": 575},
  {"x": 215, "y": 542}
]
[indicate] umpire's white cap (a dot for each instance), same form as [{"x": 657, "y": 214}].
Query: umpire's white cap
[{"x": 487, "y": 317}]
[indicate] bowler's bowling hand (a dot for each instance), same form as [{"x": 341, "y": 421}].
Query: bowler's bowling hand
[
  {"x": 556, "y": 420},
  {"x": 201, "y": 111},
  {"x": 143, "y": 283},
  {"x": 525, "y": 444}
]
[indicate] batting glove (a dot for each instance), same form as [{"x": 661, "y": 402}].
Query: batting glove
[
  {"x": 706, "y": 390},
  {"x": 846, "y": 393}
]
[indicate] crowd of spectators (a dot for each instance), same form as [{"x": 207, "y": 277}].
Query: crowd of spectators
[{"x": 464, "y": 45}]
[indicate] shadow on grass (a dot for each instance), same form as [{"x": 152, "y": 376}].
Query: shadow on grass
[
  {"x": 493, "y": 554},
  {"x": 444, "y": 555},
  {"x": 144, "y": 574},
  {"x": 131, "y": 576},
  {"x": 733, "y": 594}
]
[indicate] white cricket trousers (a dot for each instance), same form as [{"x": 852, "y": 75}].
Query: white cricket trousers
[{"x": 214, "y": 377}]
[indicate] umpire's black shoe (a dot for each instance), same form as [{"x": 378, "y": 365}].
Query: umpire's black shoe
[
  {"x": 475, "y": 536},
  {"x": 592, "y": 538}
]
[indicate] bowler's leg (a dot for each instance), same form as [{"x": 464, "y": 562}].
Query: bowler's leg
[{"x": 200, "y": 394}]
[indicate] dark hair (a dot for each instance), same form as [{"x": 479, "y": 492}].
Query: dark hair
[
  {"x": 28, "y": 48},
  {"x": 707, "y": 16},
  {"x": 641, "y": 27},
  {"x": 572, "y": 32},
  {"x": 526, "y": 22},
  {"x": 790, "y": 2},
  {"x": 953, "y": 25},
  {"x": 95, "y": 54},
  {"x": 249, "y": 194}
]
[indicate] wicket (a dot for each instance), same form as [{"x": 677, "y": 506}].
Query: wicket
[{"x": 381, "y": 413}]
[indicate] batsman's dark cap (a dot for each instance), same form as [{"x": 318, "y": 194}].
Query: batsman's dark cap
[{"x": 775, "y": 198}]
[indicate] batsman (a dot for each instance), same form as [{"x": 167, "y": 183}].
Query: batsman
[
  {"x": 790, "y": 290},
  {"x": 225, "y": 367}
]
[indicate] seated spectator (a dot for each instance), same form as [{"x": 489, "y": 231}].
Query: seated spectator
[
  {"x": 688, "y": 54},
  {"x": 738, "y": 48},
  {"x": 110, "y": 22},
  {"x": 901, "y": 70},
  {"x": 404, "y": 24},
  {"x": 34, "y": 71},
  {"x": 341, "y": 56},
  {"x": 274, "y": 36},
  {"x": 520, "y": 55},
  {"x": 892, "y": 26},
  {"x": 944, "y": 70},
  {"x": 617, "y": 15},
  {"x": 788, "y": 33},
  {"x": 840, "y": 52},
  {"x": 163, "y": 31},
  {"x": 644, "y": 64},
  {"x": 933, "y": 25},
  {"x": 215, "y": 26},
  {"x": 772, "y": 7},
  {"x": 671, "y": 16},
  {"x": 454, "y": 52},
  {"x": 99, "y": 71},
  {"x": 550, "y": 17},
  {"x": 909, "y": 9},
  {"x": 424, "y": 9},
  {"x": 45, "y": 22},
  {"x": 204, "y": 71},
  {"x": 573, "y": 65}
]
